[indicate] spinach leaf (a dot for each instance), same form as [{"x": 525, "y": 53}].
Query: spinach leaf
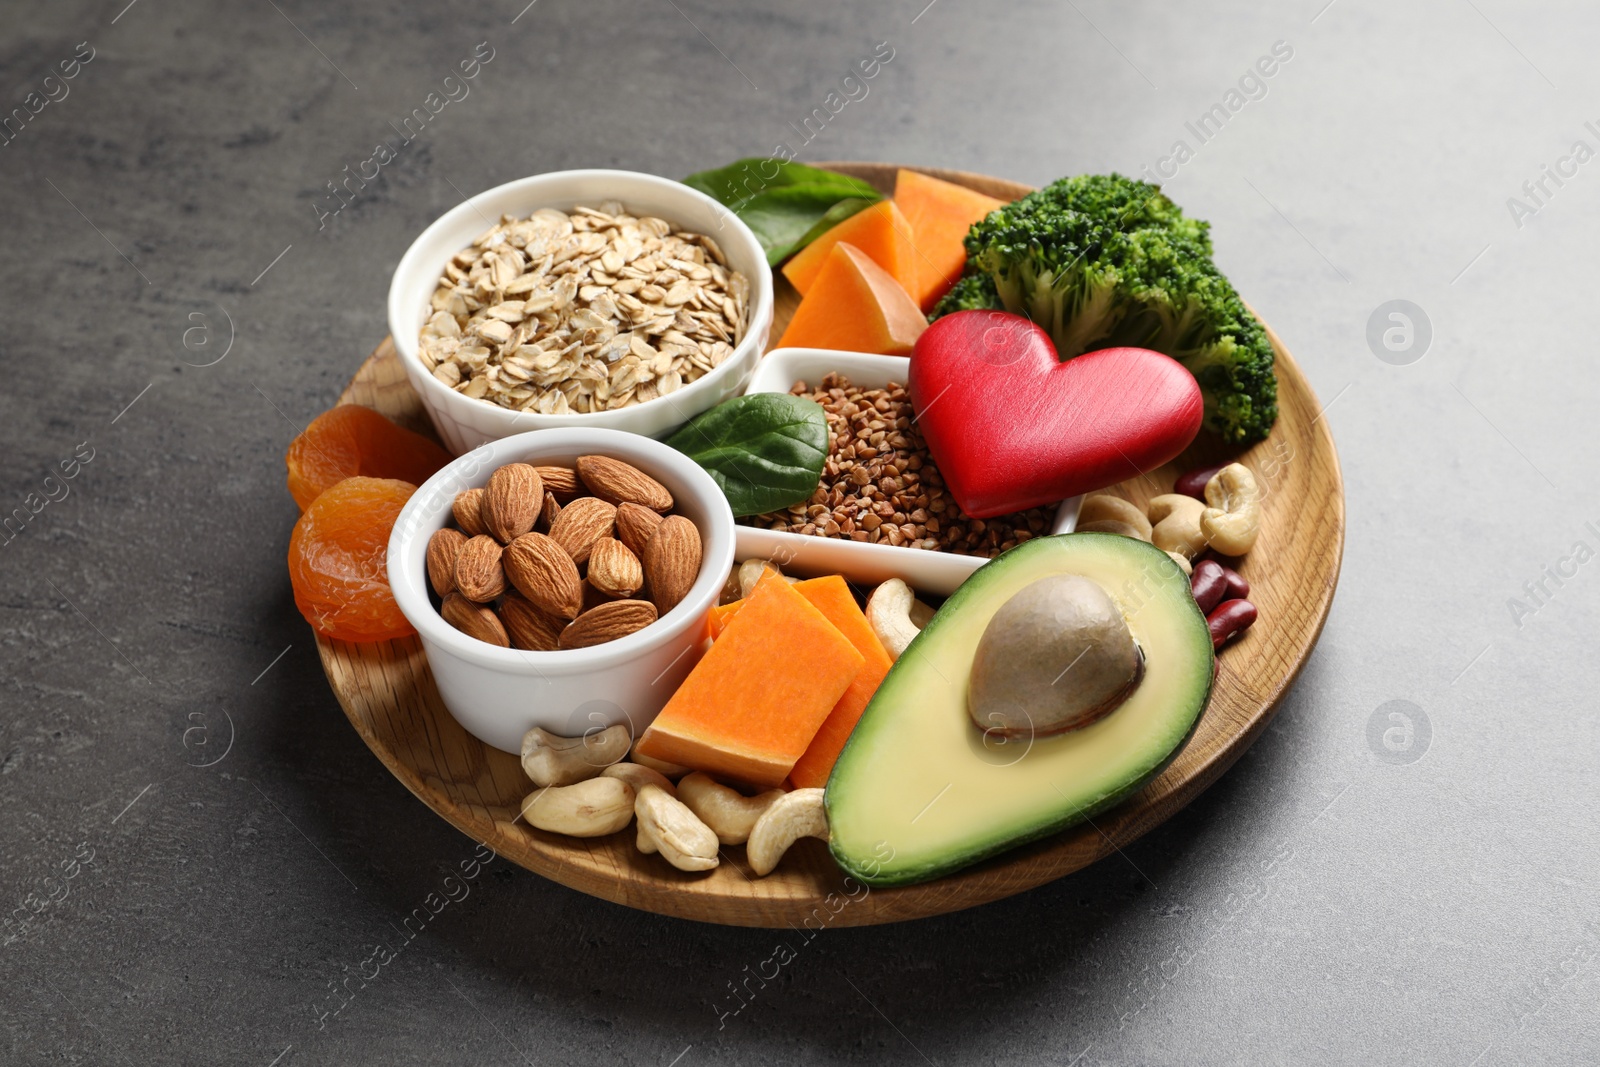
[
  {"x": 786, "y": 210},
  {"x": 745, "y": 178},
  {"x": 764, "y": 450}
]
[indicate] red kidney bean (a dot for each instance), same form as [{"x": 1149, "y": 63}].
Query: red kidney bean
[
  {"x": 1209, "y": 585},
  {"x": 1232, "y": 618},
  {"x": 1238, "y": 588},
  {"x": 1194, "y": 482}
]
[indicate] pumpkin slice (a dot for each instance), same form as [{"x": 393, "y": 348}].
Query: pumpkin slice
[
  {"x": 857, "y": 306},
  {"x": 880, "y": 231},
  {"x": 832, "y": 597},
  {"x": 940, "y": 214},
  {"x": 750, "y": 708}
]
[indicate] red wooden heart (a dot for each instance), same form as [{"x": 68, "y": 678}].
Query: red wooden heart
[{"x": 1012, "y": 427}]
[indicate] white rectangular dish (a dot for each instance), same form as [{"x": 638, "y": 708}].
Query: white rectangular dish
[{"x": 933, "y": 573}]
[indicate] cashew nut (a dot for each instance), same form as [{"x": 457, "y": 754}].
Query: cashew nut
[
  {"x": 553, "y": 760},
  {"x": 592, "y": 808},
  {"x": 791, "y": 817},
  {"x": 1183, "y": 563},
  {"x": 729, "y": 813},
  {"x": 1103, "y": 506},
  {"x": 667, "y": 826},
  {"x": 750, "y": 571},
  {"x": 639, "y": 776},
  {"x": 1115, "y": 526},
  {"x": 1177, "y": 524},
  {"x": 665, "y": 769},
  {"x": 921, "y": 614},
  {"x": 1233, "y": 519},
  {"x": 889, "y": 615}
]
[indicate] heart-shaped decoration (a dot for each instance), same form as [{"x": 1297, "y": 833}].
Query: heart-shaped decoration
[{"x": 1013, "y": 427}]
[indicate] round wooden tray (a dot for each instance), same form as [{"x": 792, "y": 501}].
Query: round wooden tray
[{"x": 389, "y": 695}]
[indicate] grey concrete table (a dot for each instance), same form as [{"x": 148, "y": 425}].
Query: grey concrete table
[{"x": 1375, "y": 883}]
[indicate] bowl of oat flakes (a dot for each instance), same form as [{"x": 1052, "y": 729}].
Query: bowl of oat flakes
[{"x": 579, "y": 298}]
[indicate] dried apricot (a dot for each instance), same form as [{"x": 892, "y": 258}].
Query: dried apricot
[
  {"x": 338, "y": 560},
  {"x": 351, "y": 440}
]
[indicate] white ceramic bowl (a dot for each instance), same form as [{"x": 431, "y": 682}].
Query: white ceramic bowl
[
  {"x": 499, "y": 694},
  {"x": 465, "y": 423},
  {"x": 935, "y": 573}
]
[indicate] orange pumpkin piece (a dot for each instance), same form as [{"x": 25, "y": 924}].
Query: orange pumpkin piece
[
  {"x": 750, "y": 708},
  {"x": 855, "y": 305},
  {"x": 338, "y": 560},
  {"x": 351, "y": 440},
  {"x": 940, "y": 214},
  {"x": 832, "y": 597},
  {"x": 880, "y": 231}
]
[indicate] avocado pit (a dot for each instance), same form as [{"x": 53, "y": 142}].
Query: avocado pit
[{"x": 1056, "y": 656}]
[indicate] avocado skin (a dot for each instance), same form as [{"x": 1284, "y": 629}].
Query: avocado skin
[
  {"x": 871, "y": 872},
  {"x": 915, "y": 876}
]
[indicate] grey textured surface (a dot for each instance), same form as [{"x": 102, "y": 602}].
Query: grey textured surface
[{"x": 1332, "y": 900}]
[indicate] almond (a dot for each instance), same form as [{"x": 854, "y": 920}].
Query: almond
[
  {"x": 529, "y": 628},
  {"x": 613, "y": 569},
  {"x": 607, "y": 622},
  {"x": 580, "y": 524},
  {"x": 562, "y": 481},
  {"x": 548, "y": 513},
  {"x": 541, "y": 570},
  {"x": 443, "y": 547},
  {"x": 512, "y": 501},
  {"x": 672, "y": 561},
  {"x": 636, "y": 524},
  {"x": 617, "y": 482},
  {"x": 479, "y": 576},
  {"x": 468, "y": 510},
  {"x": 474, "y": 620}
]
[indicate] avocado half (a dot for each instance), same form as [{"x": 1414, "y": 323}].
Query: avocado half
[{"x": 920, "y": 791}]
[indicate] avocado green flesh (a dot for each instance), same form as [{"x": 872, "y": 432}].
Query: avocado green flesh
[{"x": 920, "y": 792}]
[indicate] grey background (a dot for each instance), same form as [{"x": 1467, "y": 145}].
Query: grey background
[{"x": 1334, "y": 899}]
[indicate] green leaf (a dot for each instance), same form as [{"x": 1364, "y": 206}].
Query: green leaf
[
  {"x": 745, "y": 178},
  {"x": 764, "y": 450},
  {"x": 785, "y": 211}
]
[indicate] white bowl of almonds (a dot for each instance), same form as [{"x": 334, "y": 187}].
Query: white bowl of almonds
[
  {"x": 561, "y": 579},
  {"x": 579, "y": 298}
]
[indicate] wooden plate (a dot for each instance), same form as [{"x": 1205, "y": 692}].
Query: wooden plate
[{"x": 389, "y": 695}]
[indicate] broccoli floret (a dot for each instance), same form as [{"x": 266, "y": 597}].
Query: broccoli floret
[
  {"x": 1099, "y": 261},
  {"x": 973, "y": 292}
]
